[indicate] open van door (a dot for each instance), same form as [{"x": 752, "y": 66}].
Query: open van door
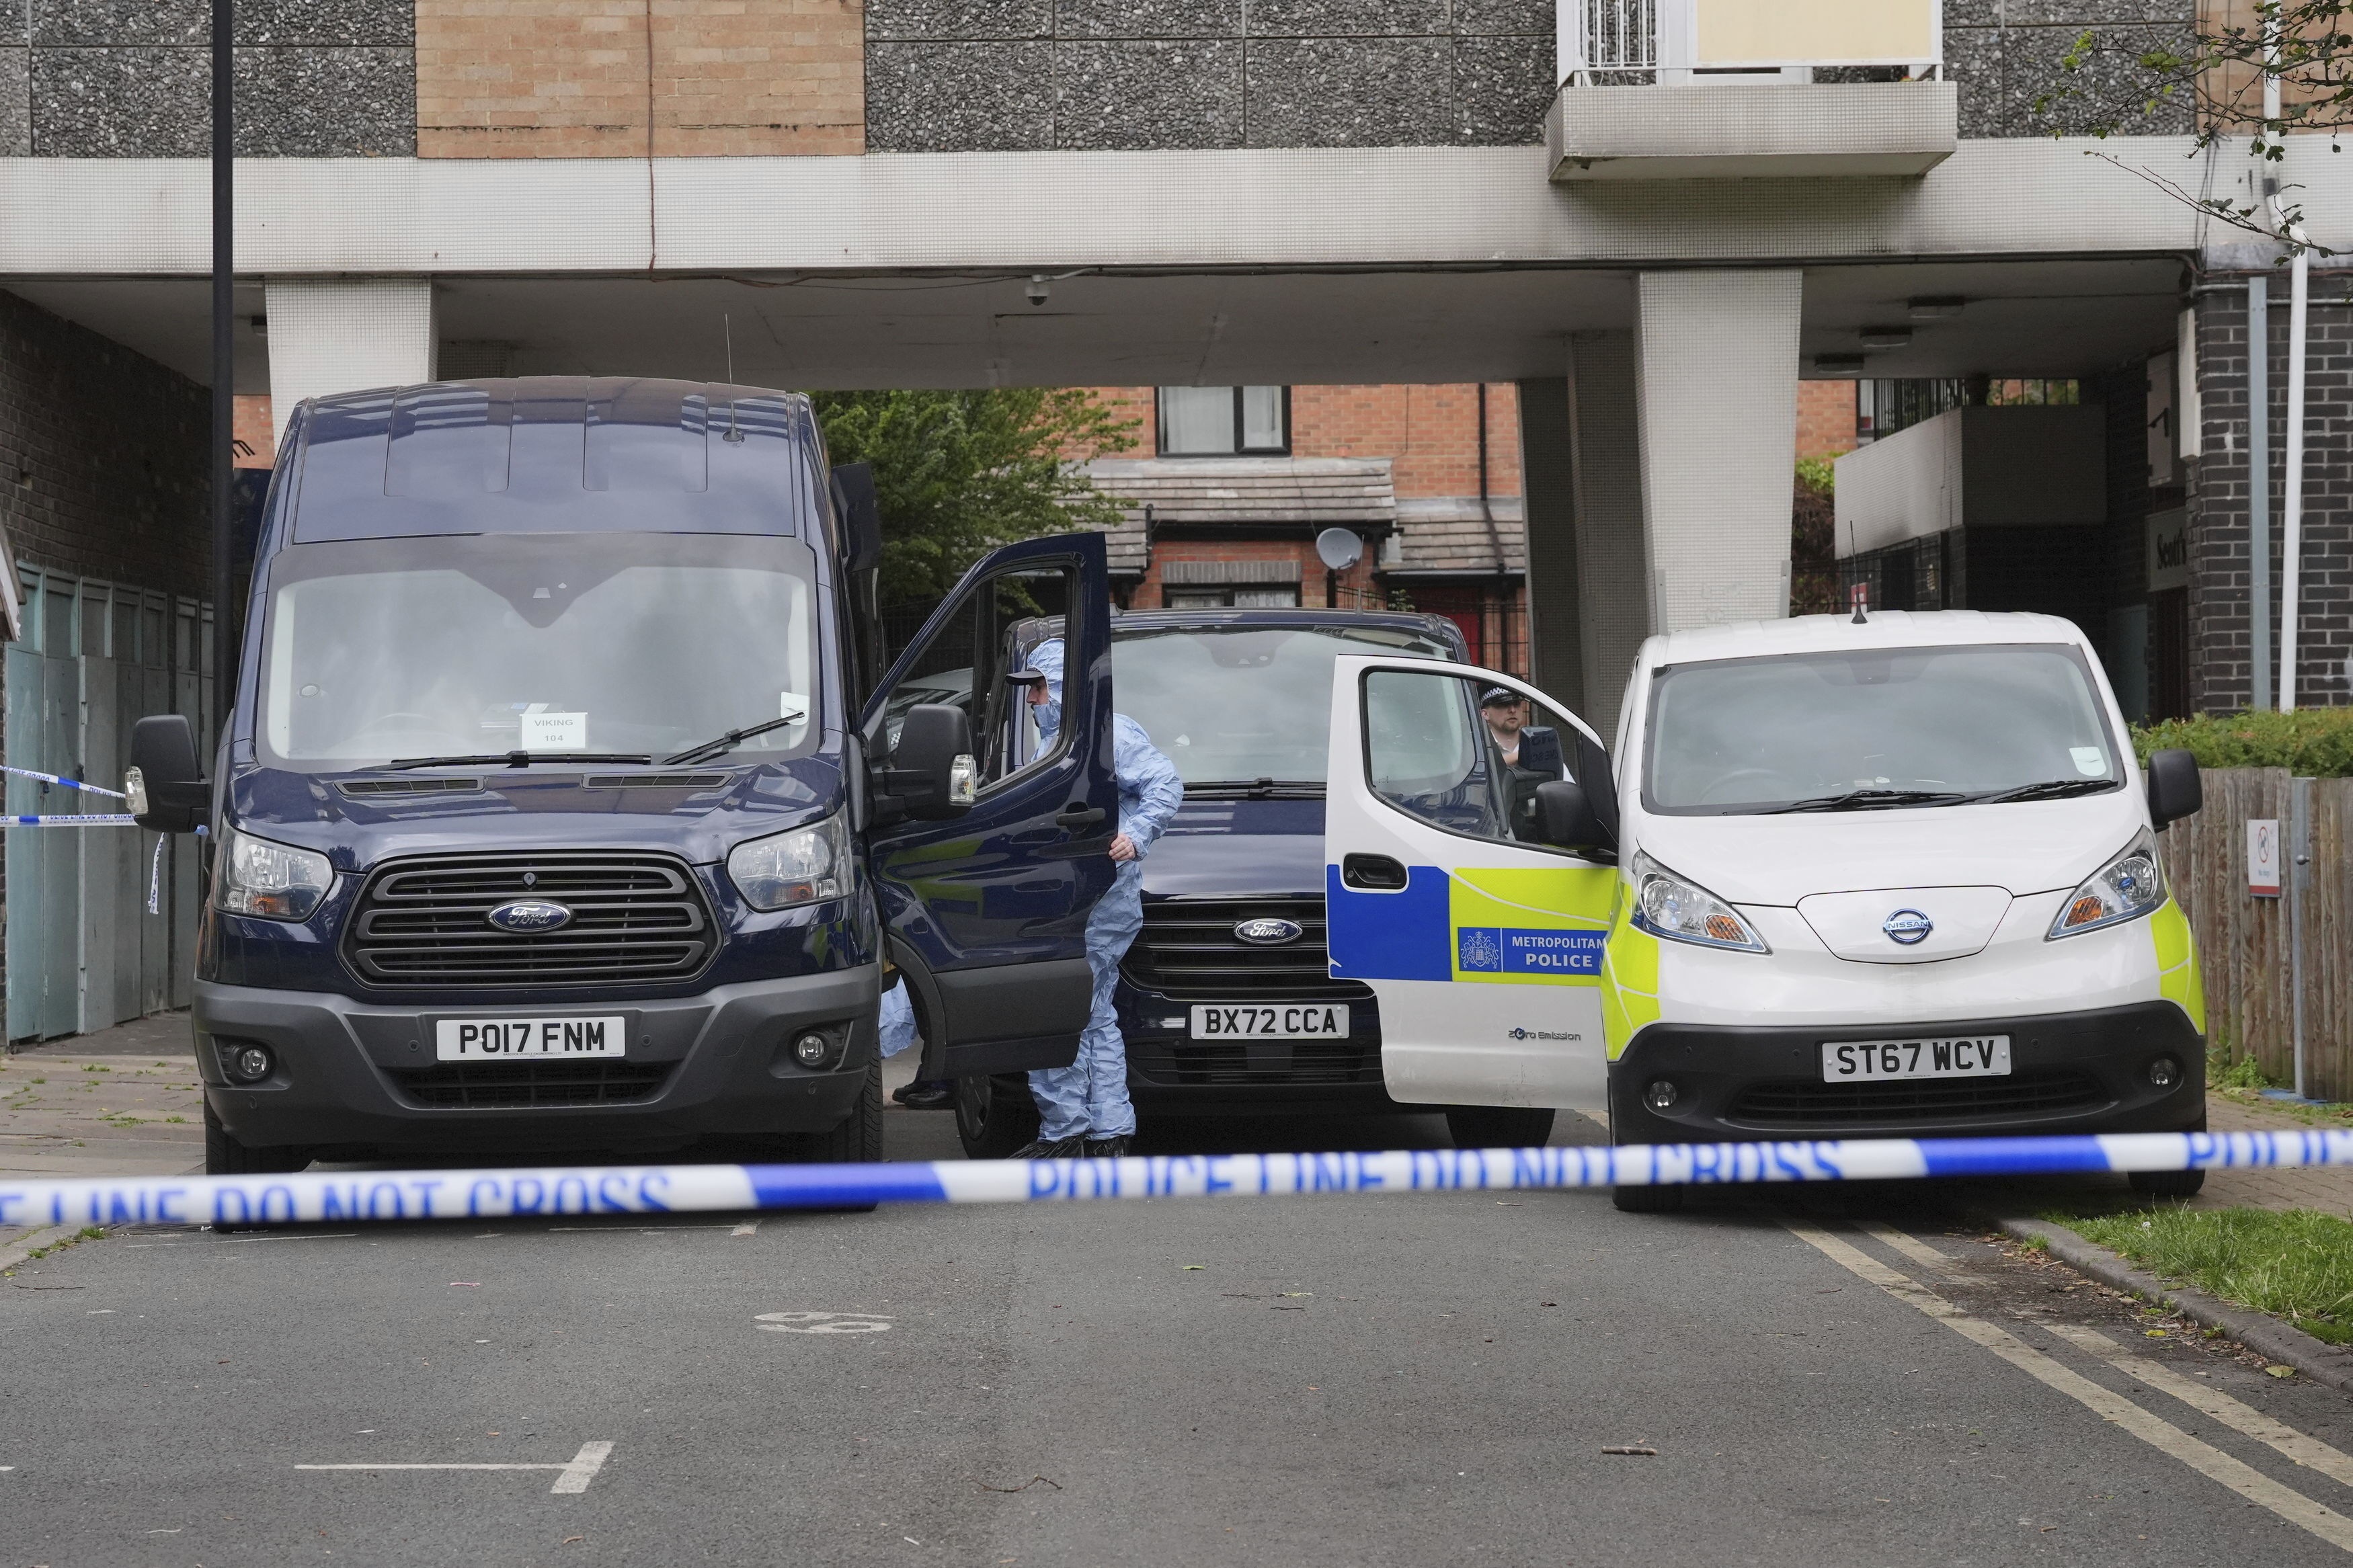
[
  {"x": 1481, "y": 938},
  {"x": 986, "y": 909}
]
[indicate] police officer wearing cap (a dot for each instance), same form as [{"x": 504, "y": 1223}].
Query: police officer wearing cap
[{"x": 1530, "y": 753}]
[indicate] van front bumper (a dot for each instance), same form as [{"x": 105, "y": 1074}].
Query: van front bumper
[
  {"x": 355, "y": 1079},
  {"x": 2069, "y": 1072}
]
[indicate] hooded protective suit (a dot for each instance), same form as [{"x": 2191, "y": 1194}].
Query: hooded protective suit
[{"x": 1089, "y": 1097}]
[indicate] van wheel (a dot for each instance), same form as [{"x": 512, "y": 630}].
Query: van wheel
[
  {"x": 2166, "y": 1184},
  {"x": 858, "y": 1141},
  {"x": 995, "y": 1116},
  {"x": 225, "y": 1156},
  {"x": 1664, "y": 1199},
  {"x": 1498, "y": 1127}
]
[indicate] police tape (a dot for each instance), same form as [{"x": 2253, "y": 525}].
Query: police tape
[
  {"x": 70, "y": 783},
  {"x": 344, "y": 1197},
  {"x": 95, "y": 819}
]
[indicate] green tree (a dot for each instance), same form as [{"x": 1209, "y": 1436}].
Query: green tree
[
  {"x": 958, "y": 473},
  {"x": 2221, "y": 68}
]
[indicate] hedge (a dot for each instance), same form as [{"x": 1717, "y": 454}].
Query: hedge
[{"x": 2315, "y": 741}]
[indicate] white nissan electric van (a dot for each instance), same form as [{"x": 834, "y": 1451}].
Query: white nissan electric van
[{"x": 1892, "y": 875}]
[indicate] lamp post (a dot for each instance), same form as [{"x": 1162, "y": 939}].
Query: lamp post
[{"x": 224, "y": 443}]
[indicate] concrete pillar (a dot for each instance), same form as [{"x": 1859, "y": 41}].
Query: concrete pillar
[
  {"x": 1555, "y": 649},
  {"x": 1718, "y": 370},
  {"x": 1613, "y": 596},
  {"x": 345, "y": 335}
]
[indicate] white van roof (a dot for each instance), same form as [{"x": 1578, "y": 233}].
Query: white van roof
[{"x": 1881, "y": 629}]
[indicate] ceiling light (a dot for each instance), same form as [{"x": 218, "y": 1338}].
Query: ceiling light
[
  {"x": 1838, "y": 364},
  {"x": 1934, "y": 307},
  {"x": 1886, "y": 337}
]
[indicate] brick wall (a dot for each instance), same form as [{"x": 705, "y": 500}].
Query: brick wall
[
  {"x": 579, "y": 78},
  {"x": 103, "y": 463},
  {"x": 2219, "y": 561},
  {"x": 1356, "y": 581},
  {"x": 1825, "y": 418},
  {"x": 1430, "y": 434}
]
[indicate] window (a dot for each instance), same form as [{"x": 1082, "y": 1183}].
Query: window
[
  {"x": 1911, "y": 726},
  {"x": 1269, "y": 596},
  {"x": 963, "y": 666},
  {"x": 1462, "y": 756},
  {"x": 1224, "y": 421},
  {"x": 457, "y": 645},
  {"x": 1230, "y": 705}
]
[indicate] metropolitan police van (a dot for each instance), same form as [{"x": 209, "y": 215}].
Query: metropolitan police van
[{"x": 1883, "y": 876}]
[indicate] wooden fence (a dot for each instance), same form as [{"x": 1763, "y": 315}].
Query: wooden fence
[{"x": 2243, "y": 941}]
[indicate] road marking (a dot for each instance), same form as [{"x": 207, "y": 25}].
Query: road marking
[
  {"x": 2203, "y": 1458},
  {"x": 576, "y": 1474},
  {"x": 1912, "y": 1246},
  {"x": 824, "y": 1323},
  {"x": 749, "y": 1228},
  {"x": 2309, "y": 1452},
  {"x": 583, "y": 1468}
]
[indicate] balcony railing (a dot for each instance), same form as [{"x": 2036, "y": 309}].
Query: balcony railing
[{"x": 1612, "y": 43}]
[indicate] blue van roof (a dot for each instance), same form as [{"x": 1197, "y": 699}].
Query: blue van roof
[{"x": 554, "y": 454}]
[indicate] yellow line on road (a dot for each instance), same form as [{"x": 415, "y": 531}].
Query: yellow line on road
[
  {"x": 2203, "y": 1458},
  {"x": 2310, "y": 1452}
]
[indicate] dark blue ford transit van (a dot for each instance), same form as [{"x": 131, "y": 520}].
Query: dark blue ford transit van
[{"x": 562, "y": 807}]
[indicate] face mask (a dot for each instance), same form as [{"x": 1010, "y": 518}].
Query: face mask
[{"x": 1049, "y": 719}]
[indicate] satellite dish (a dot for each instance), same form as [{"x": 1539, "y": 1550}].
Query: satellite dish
[{"x": 1338, "y": 549}]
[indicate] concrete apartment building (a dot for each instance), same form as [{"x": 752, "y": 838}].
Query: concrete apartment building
[{"x": 1652, "y": 220}]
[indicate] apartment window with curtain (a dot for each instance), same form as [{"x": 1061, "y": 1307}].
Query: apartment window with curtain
[{"x": 1225, "y": 421}]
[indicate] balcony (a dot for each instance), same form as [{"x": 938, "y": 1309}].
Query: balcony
[{"x": 1693, "y": 90}]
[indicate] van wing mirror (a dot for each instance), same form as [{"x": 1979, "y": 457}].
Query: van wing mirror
[
  {"x": 2175, "y": 788},
  {"x": 1566, "y": 817},
  {"x": 168, "y": 791},
  {"x": 933, "y": 773}
]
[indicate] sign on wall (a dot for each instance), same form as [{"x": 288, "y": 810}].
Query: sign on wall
[
  {"x": 2167, "y": 542},
  {"x": 2262, "y": 857}
]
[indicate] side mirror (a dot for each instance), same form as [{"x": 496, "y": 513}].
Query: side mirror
[
  {"x": 2175, "y": 788},
  {"x": 932, "y": 772},
  {"x": 168, "y": 791},
  {"x": 1566, "y": 817}
]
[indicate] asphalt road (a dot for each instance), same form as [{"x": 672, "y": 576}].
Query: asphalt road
[{"x": 1307, "y": 1381}]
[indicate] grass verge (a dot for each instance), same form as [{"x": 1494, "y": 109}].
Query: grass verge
[{"x": 2296, "y": 1265}]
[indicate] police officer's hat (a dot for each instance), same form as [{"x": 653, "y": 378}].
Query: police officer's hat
[{"x": 1500, "y": 696}]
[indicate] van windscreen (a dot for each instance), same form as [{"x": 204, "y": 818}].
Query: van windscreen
[
  {"x": 1231, "y": 705},
  {"x": 1876, "y": 727},
  {"x": 378, "y": 649}
]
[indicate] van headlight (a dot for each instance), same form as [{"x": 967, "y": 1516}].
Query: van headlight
[
  {"x": 1667, "y": 906},
  {"x": 271, "y": 881},
  {"x": 2126, "y": 888},
  {"x": 805, "y": 866}
]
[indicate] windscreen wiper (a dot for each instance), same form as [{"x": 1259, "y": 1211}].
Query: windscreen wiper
[
  {"x": 1259, "y": 789},
  {"x": 695, "y": 754},
  {"x": 1872, "y": 799},
  {"x": 2048, "y": 789},
  {"x": 518, "y": 758}
]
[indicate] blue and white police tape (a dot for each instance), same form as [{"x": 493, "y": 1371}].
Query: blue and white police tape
[
  {"x": 344, "y": 1197},
  {"x": 70, "y": 783},
  {"x": 95, "y": 819}
]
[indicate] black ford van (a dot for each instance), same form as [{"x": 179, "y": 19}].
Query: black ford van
[{"x": 563, "y": 804}]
